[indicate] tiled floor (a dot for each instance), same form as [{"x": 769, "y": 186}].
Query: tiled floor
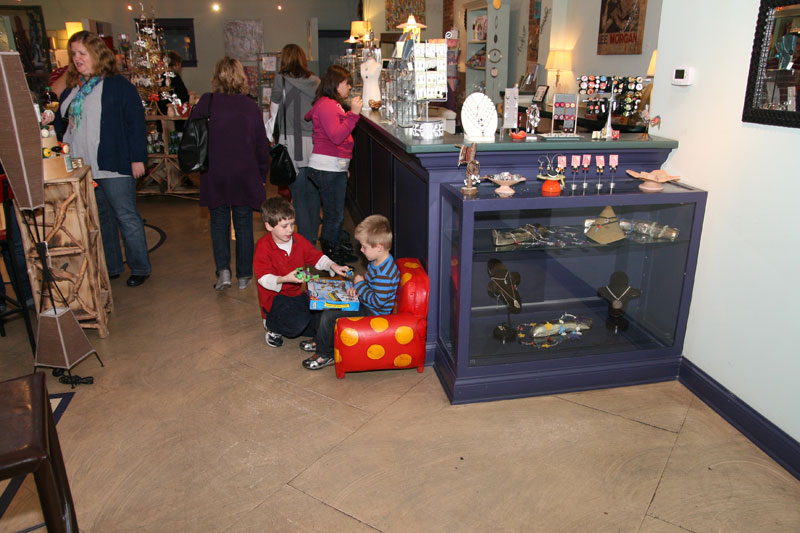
[{"x": 195, "y": 424}]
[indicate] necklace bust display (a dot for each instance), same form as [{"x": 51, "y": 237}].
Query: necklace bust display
[
  {"x": 618, "y": 293},
  {"x": 371, "y": 74}
]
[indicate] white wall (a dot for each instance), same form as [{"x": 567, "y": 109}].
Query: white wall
[
  {"x": 280, "y": 27},
  {"x": 576, "y": 24},
  {"x": 743, "y": 324}
]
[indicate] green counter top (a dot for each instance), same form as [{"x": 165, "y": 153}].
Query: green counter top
[{"x": 503, "y": 143}]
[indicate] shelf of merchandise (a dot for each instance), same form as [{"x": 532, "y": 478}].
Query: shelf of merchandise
[
  {"x": 563, "y": 272},
  {"x": 163, "y": 174},
  {"x": 497, "y": 27}
]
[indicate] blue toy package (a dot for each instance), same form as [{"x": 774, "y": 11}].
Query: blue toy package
[{"x": 331, "y": 294}]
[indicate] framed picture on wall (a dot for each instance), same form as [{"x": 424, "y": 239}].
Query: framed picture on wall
[
  {"x": 541, "y": 92},
  {"x": 179, "y": 36}
]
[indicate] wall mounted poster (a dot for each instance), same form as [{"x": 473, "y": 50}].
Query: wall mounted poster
[
  {"x": 621, "y": 27},
  {"x": 397, "y": 12},
  {"x": 243, "y": 39}
]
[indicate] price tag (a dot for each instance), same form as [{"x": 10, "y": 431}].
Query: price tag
[
  {"x": 576, "y": 161},
  {"x": 600, "y": 160},
  {"x": 562, "y": 161},
  {"x": 587, "y": 160},
  {"x": 613, "y": 160}
]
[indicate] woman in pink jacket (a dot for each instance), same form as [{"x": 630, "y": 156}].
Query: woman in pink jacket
[{"x": 333, "y": 122}]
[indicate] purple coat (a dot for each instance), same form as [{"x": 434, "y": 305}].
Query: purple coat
[{"x": 238, "y": 157}]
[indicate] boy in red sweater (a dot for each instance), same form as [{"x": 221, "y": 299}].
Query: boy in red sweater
[{"x": 284, "y": 305}]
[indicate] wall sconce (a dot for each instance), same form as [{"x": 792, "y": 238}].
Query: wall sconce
[
  {"x": 651, "y": 68},
  {"x": 73, "y": 28},
  {"x": 559, "y": 60}
]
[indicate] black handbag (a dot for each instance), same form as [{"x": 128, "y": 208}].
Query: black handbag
[
  {"x": 193, "y": 151},
  {"x": 281, "y": 167}
]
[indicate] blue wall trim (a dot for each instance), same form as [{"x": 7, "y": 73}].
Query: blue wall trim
[{"x": 770, "y": 438}]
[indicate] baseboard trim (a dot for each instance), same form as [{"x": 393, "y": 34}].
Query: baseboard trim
[{"x": 770, "y": 438}]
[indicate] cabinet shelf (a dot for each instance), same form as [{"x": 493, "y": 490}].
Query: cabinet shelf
[{"x": 486, "y": 292}]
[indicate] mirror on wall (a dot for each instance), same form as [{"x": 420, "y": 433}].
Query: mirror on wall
[{"x": 774, "y": 81}]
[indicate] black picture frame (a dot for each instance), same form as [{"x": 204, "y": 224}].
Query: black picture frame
[
  {"x": 541, "y": 93},
  {"x": 756, "y": 109},
  {"x": 30, "y": 35},
  {"x": 178, "y": 35}
]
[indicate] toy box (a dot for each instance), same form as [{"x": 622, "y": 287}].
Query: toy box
[{"x": 331, "y": 294}]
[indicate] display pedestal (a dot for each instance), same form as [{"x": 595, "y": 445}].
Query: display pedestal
[
  {"x": 77, "y": 261},
  {"x": 165, "y": 175}
]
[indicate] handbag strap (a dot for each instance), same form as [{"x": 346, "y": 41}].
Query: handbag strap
[{"x": 276, "y": 131}]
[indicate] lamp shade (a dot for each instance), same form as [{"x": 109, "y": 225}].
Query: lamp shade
[
  {"x": 411, "y": 23},
  {"x": 359, "y": 28},
  {"x": 651, "y": 68},
  {"x": 73, "y": 28},
  {"x": 559, "y": 60}
]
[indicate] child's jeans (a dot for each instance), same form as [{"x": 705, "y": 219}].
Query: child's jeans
[
  {"x": 327, "y": 325},
  {"x": 291, "y": 317}
]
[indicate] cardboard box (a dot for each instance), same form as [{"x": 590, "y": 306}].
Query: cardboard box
[{"x": 331, "y": 294}]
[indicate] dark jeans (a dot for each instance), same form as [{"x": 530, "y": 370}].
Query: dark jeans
[
  {"x": 221, "y": 241},
  {"x": 332, "y": 188},
  {"x": 116, "y": 208},
  {"x": 327, "y": 325},
  {"x": 21, "y": 274},
  {"x": 291, "y": 317},
  {"x": 305, "y": 198}
]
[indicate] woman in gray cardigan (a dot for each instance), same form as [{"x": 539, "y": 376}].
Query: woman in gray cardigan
[{"x": 294, "y": 90}]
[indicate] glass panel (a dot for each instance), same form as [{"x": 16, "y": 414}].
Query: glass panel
[
  {"x": 534, "y": 268},
  {"x": 449, "y": 286}
]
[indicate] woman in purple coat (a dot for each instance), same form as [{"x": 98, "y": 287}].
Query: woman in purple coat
[{"x": 238, "y": 162}]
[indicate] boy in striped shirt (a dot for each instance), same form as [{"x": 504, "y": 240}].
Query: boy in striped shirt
[{"x": 376, "y": 290}]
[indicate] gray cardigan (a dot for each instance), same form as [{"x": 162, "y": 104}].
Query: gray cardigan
[{"x": 299, "y": 96}]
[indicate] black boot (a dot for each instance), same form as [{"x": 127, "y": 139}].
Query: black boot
[{"x": 337, "y": 253}]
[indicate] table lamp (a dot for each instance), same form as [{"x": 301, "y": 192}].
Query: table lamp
[{"x": 559, "y": 60}]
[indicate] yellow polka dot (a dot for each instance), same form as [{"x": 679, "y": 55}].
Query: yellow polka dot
[
  {"x": 378, "y": 324},
  {"x": 402, "y": 360},
  {"x": 408, "y": 264},
  {"x": 337, "y": 357},
  {"x": 375, "y": 351},
  {"x": 349, "y": 336},
  {"x": 405, "y": 278},
  {"x": 454, "y": 261},
  {"x": 404, "y": 334},
  {"x": 354, "y": 318}
]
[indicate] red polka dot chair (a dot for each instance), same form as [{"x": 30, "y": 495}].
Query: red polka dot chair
[{"x": 387, "y": 341}]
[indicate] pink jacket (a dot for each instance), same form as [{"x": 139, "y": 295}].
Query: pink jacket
[{"x": 332, "y": 128}]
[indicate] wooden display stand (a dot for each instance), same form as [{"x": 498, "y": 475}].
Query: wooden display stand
[
  {"x": 77, "y": 260},
  {"x": 166, "y": 176}
]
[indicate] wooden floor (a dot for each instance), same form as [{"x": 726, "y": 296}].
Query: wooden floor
[{"x": 195, "y": 424}]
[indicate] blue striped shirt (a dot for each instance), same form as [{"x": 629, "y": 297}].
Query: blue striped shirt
[{"x": 379, "y": 288}]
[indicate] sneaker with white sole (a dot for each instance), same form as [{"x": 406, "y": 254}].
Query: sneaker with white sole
[
  {"x": 308, "y": 345},
  {"x": 223, "y": 280},
  {"x": 274, "y": 340},
  {"x": 245, "y": 282}
]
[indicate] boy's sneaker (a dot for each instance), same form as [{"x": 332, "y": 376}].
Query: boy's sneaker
[
  {"x": 274, "y": 340},
  {"x": 315, "y": 362},
  {"x": 308, "y": 345}
]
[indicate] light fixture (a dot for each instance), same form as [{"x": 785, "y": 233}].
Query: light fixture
[
  {"x": 280, "y": 7},
  {"x": 129, "y": 7},
  {"x": 73, "y": 28},
  {"x": 651, "y": 68},
  {"x": 413, "y": 27},
  {"x": 215, "y": 7},
  {"x": 352, "y": 40},
  {"x": 359, "y": 28},
  {"x": 559, "y": 60}
]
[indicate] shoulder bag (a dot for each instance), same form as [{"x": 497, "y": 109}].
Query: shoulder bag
[
  {"x": 193, "y": 151},
  {"x": 281, "y": 167}
]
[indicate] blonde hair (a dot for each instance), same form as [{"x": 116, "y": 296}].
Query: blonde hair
[
  {"x": 229, "y": 77},
  {"x": 104, "y": 62},
  {"x": 374, "y": 230}
]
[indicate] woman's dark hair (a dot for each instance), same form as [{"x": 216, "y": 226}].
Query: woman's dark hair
[
  {"x": 330, "y": 82},
  {"x": 293, "y": 62}
]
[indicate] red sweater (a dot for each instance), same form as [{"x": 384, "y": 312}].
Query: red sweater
[
  {"x": 269, "y": 259},
  {"x": 332, "y": 128}
]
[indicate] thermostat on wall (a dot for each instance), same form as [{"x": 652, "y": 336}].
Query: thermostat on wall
[{"x": 683, "y": 76}]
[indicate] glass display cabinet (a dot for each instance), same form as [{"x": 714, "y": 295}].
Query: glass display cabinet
[{"x": 539, "y": 295}]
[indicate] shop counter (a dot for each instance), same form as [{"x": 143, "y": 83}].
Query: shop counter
[{"x": 400, "y": 177}]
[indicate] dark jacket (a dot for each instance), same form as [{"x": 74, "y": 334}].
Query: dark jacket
[
  {"x": 122, "y": 126},
  {"x": 238, "y": 153}
]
